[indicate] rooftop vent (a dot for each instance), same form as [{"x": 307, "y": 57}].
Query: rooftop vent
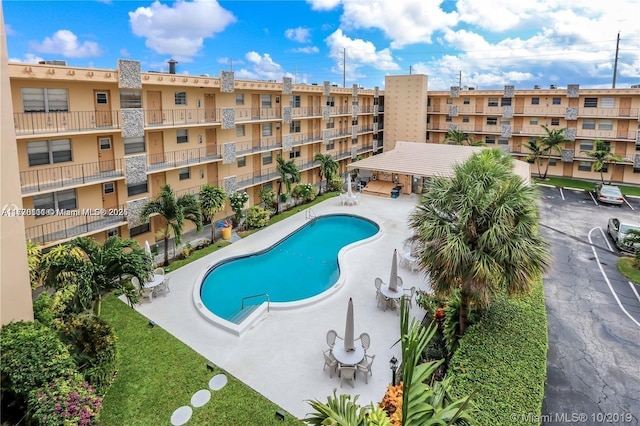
[
  {"x": 553, "y": 86},
  {"x": 54, "y": 62},
  {"x": 172, "y": 66},
  {"x": 635, "y": 86},
  {"x": 536, "y": 87}
]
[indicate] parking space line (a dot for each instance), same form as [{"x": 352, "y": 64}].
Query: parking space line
[
  {"x": 606, "y": 278},
  {"x": 633, "y": 288},
  {"x": 561, "y": 193},
  {"x": 593, "y": 198},
  {"x": 606, "y": 240},
  {"x": 627, "y": 203}
]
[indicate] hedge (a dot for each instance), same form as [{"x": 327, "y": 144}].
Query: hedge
[{"x": 503, "y": 360}]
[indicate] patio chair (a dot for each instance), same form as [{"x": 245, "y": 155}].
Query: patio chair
[
  {"x": 378, "y": 284},
  {"x": 163, "y": 288},
  {"x": 331, "y": 338},
  {"x": 400, "y": 283},
  {"x": 330, "y": 361},
  {"x": 382, "y": 300},
  {"x": 347, "y": 373},
  {"x": 410, "y": 293},
  {"x": 364, "y": 366},
  {"x": 136, "y": 282},
  {"x": 365, "y": 341},
  {"x": 343, "y": 199},
  {"x": 158, "y": 271}
]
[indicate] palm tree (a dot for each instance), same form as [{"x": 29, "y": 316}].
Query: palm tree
[
  {"x": 535, "y": 146},
  {"x": 289, "y": 174},
  {"x": 212, "y": 200},
  {"x": 174, "y": 212},
  {"x": 93, "y": 269},
  {"x": 328, "y": 167},
  {"x": 603, "y": 155},
  {"x": 477, "y": 232},
  {"x": 551, "y": 142},
  {"x": 457, "y": 137}
]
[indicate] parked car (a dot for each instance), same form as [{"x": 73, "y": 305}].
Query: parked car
[
  {"x": 609, "y": 194},
  {"x": 619, "y": 231}
]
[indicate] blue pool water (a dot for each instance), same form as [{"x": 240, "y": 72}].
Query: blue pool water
[{"x": 302, "y": 265}]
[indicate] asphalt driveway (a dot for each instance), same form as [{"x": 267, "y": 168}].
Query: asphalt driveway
[{"x": 593, "y": 363}]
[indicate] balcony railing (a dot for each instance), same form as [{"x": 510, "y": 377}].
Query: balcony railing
[
  {"x": 340, "y": 110},
  {"x": 298, "y": 112},
  {"x": 185, "y": 157},
  {"x": 36, "y": 123},
  {"x": 180, "y": 117},
  {"x": 365, "y": 109},
  {"x": 608, "y": 112},
  {"x": 257, "y": 114},
  {"x": 339, "y": 133},
  {"x": 303, "y": 138},
  {"x": 74, "y": 225},
  {"x": 71, "y": 175}
]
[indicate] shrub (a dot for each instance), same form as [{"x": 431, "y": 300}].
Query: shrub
[
  {"x": 237, "y": 200},
  {"x": 187, "y": 251},
  {"x": 92, "y": 343},
  {"x": 257, "y": 217},
  {"x": 504, "y": 357},
  {"x": 305, "y": 192},
  {"x": 335, "y": 184},
  {"x": 268, "y": 197},
  {"x": 49, "y": 308},
  {"x": 65, "y": 402}
]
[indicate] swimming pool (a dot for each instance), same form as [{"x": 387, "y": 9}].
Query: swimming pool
[{"x": 300, "y": 266}]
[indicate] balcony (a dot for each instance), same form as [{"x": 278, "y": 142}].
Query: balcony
[
  {"x": 342, "y": 132},
  {"x": 250, "y": 179},
  {"x": 304, "y": 138},
  {"x": 302, "y": 112},
  {"x": 72, "y": 175},
  {"x": 365, "y": 109},
  {"x": 365, "y": 149},
  {"x": 606, "y": 134},
  {"x": 339, "y": 110},
  {"x": 182, "y": 158},
  {"x": 180, "y": 117},
  {"x": 609, "y": 112},
  {"x": 257, "y": 114},
  {"x": 40, "y": 123},
  {"x": 72, "y": 226}
]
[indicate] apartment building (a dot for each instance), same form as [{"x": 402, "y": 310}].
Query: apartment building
[{"x": 95, "y": 145}]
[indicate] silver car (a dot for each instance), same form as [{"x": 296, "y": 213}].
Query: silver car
[
  {"x": 619, "y": 231},
  {"x": 609, "y": 194}
]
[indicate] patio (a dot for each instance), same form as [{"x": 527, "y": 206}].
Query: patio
[{"x": 281, "y": 355}]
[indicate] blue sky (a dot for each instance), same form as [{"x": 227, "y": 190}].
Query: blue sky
[{"x": 490, "y": 43}]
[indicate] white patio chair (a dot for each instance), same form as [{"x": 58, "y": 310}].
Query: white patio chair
[
  {"x": 331, "y": 338},
  {"x": 158, "y": 271},
  {"x": 163, "y": 288},
  {"x": 347, "y": 373},
  {"x": 136, "y": 282},
  {"x": 365, "y": 341},
  {"x": 378, "y": 283},
  {"x": 330, "y": 361},
  {"x": 400, "y": 283},
  {"x": 364, "y": 367},
  {"x": 382, "y": 300},
  {"x": 410, "y": 293},
  {"x": 343, "y": 199}
]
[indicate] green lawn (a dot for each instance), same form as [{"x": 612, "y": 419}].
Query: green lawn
[
  {"x": 158, "y": 373},
  {"x": 627, "y": 267},
  {"x": 584, "y": 184}
]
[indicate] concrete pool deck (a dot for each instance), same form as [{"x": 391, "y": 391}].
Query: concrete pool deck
[{"x": 280, "y": 356}]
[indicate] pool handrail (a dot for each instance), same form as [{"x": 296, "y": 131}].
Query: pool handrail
[{"x": 256, "y": 295}]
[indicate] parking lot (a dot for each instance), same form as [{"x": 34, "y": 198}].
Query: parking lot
[{"x": 593, "y": 368}]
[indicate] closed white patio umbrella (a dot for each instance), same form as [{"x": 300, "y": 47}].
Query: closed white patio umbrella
[
  {"x": 393, "y": 277},
  {"x": 348, "y": 331}
]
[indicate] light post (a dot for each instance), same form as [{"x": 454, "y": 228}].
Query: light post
[{"x": 393, "y": 364}]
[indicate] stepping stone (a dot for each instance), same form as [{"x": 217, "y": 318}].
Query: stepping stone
[
  {"x": 200, "y": 398},
  {"x": 181, "y": 415},
  {"x": 218, "y": 381}
]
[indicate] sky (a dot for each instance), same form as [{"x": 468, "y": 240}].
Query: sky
[{"x": 485, "y": 44}]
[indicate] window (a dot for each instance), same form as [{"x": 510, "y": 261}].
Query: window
[
  {"x": 130, "y": 99},
  {"x": 102, "y": 98},
  {"x": 295, "y": 101},
  {"x": 105, "y": 144},
  {"x": 552, "y": 162},
  {"x": 505, "y": 102},
  {"x": 493, "y": 102},
  {"x": 503, "y": 141},
  {"x": 266, "y": 129},
  {"x": 586, "y": 146},
  {"x": 140, "y": 229},
  {"x": 489, "y": 139},
  {"x": 181, "y": 98},
  {"x": 62, "y": 200},
  {"x": 49, "y": 152},
  {"x": 331, "y": 101},
  {"x": 584, "y": 166},
  {"x": 535, "y": 101},
  {"x": 239, "y": 98},
  {"x": 533, "y": 121},
  {"x": 466, "y": 101},
  {"x": 112, "y": 232},
  {"x": 591, "y": 102},
  {"x": 555, "y": 121},
  {"x": 242, "y": 161},
  {"x": 267, "y": 158},
  {"x": 44, "y": 100},
  {"x": 295, "y": 127},
  {"x": 331, "y": 145},
  {"x": 465, "y": 118},
  {"x": 354, "y": 122},
  {"x": 182, "y": 136},
  {"x": 139, "y": 188},
  {"x": 134, "y": 145},
  {"x": 492, "y": 121},
  {"x": 505, "y": 122},
  {"x": 607, "y": 102},
  {"x": 589, "y": 124},
  {"x": 605, "y": 125},
  {"x": 556, "y": 101},
  {"x": 354, "y": 141},
  {"x": 331, "y": 124},
  {"x": 448, "y": 119},
  {"x": 295, "y": 153},
  {"x": 265, "y": 101},
  {"x": 108, "y": 188},
  {"x": 184, "y": 173},
  {"x": 239, "y": 130},
  {"x": 449, "y": 101}
]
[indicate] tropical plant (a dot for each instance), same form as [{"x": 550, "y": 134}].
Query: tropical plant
[
  {"x": 338, "y": 410},
  {"x": 551, "y": 142},
  {"x": 478, "y": 232},
  {"x": 328, "y": 167},
  {"x": 289, "y": 174},
  {"x": 536, "y": 152},
  {"x": 237, "y": 200},
  {"x": 34, "y": 254},
  {"x": 257, "y": 217},
  {"x": 95, "y": 269},
  {"x": 212, "y": 200},
  {"x": 335, "y": 184},
  {"x": 173, "y": 211},
  {"x": 65, "y": 402},
  {"x": 304, "y": 191},
  {"x": 268, "y": 198},
  {"x": 603, "y": 155},
  {"x": 456, "y": 137}
]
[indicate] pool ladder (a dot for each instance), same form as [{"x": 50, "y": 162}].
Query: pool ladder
[
  {"x": 309, "y": 214},
  {"x": 256, "y": 295}
]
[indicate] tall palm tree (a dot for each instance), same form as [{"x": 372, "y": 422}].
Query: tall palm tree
[
  {"x": 478, "y": 232},
  {"x": 289, "y": 174},
  {"x": 603, "y": 155},
  {"x": 551, "y": 142},
  {"x": 534, "y": 145},
  {"x": 212, "y": 200},
  {"x": 94, "y": 269},
  {"x": 174, "y": 212},
  {"x": 328, "y": 167},
  {"x": 456, "y": 137}
]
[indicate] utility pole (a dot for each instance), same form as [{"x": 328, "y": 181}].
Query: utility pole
[
  {"x": 344, "y": 67},
  {"x": 295, "y": 78},
  {"x": 615, "y": 63},
  {"x": 460, "y": 80},
  {"x": 230, "y": 64},
  {"x": 409, "y": 69}
]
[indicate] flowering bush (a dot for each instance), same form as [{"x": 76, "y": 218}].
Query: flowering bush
[
  {"x": 305, "y": 192},
  {"x": 65, "y": 402},
  {"x": 257, "y": 217},
  {"x": 237, "y": 200}
]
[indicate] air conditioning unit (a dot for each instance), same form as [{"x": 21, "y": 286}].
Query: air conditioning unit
[
  {"x": 635, "y": 86},
  {"x": 553, "y": 86},
  {"x": 536, "y": 87}
]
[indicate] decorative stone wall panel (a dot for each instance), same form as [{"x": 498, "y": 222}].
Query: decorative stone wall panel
[
  {"x": 354, "y": 132},
  {"x": 326, "y": 113},
  {"x": 230, "y": 184},
  {"x": 376, "y": 92},
  {"x": 638, "y": 138},
  {"x": 573, "y": 91},
  {"x": 326, "y": 136},
  {"x": 567, "y": 155},
  {"x": 229, "y": 153},
  {"x": 636, "y": 161},
  {"x": 355, "y": 92},
  {"x": 356, "y": 110},
  {"x": 286, "y": 115},
  {"x": 375, "y": 128},
  {"x": 507, "y": 111},
  {"x": 129, "y": 76},
  {"x": 454, "y": 92},
  {"x": 326, "y": 88},
  {"x": 376, "y": 110},
  {"x": 571, "y": 113},
  {"x": 570, "y": 134},
  {"x": 287, "y": 86},
  {"x": 134, "y": 208},
  {"x": 287, "y": 143},
  {"x": 227, "y": 82},
  {"x": 132, "y": 122},
  {"x": 505, "y": 131},
  {"x": 509, "y": 91},
  {"x": 453, "y": 127},
  {"x": 354, "y": 152},
  {"x": 228, "y": 118},
  {"x": 506, "y": 148},
  {"x": 135, "y": 168},
  {"x": 453, "y": 110}
]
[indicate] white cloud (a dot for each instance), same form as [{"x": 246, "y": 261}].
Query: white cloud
[
  {"x": 323, "y": 4},
  {"x": 307, "y": 49},
  {"x": 179, "y": 30},
  {"x": 9, "y": 30},
  {"x": 300, "y": 35},
  {"x": 65, "y": 43},
  {"x": 261, "y": 67},
  {"x": 28, "y": 58}
]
